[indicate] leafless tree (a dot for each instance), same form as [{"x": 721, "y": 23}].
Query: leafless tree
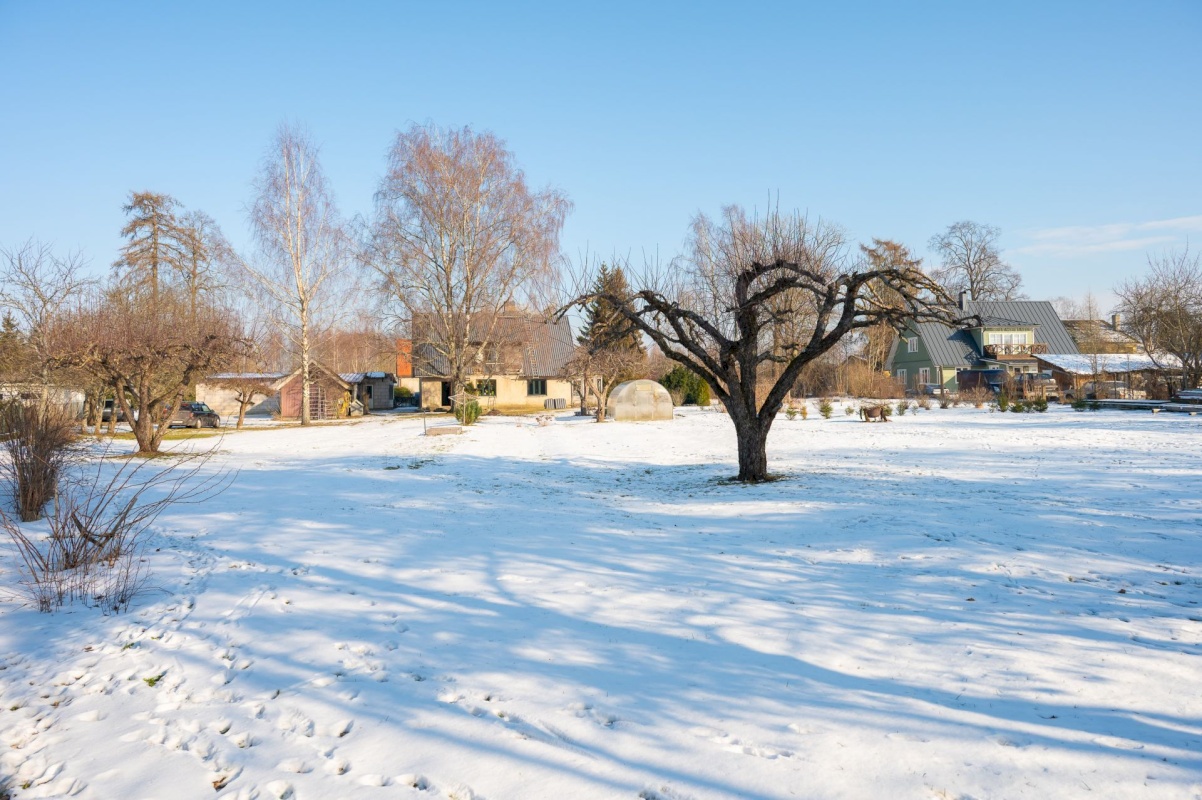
[
  {"x": 35, "y": 286},
  {"x": 720, "y": 312},
  {"x": 150, "y": 353},
  {"x": 878, "y": 340},
  {"x": 206, "y": 258},
  {"x": 600, "y": 370},
  {"x": 970, "y": 261},
  {"x": 1163, "y": 310},
  {"x": 458, "y": 235},
  {"x": 303, "y": 244},
  {"x": 249, "y": 375}
]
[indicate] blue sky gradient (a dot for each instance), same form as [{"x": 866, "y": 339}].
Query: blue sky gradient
[{"x": 1075, "y": 127}]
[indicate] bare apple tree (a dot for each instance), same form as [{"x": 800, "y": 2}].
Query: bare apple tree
[
  {"x": 457, "y": 235},
  {"x": 971, "y": 261},
  {"x": 1163, "y": 310},
  {"x": 729, "y": 307},
  {"x": 150, "y": 353},
  {"x": 303, "y": 244},
  {"x": 601, "y": 369}
]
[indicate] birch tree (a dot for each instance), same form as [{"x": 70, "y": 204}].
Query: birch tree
[
  {"x": 303, "y": 243},
  {"x": 457, "y": 236}
]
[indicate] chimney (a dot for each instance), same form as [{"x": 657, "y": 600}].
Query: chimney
[
  {"x": 965, "y": 297},
  {"x": 1116, "y": 320}
]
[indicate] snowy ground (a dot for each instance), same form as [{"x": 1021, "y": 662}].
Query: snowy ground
[{"x": 958, "y": 604}]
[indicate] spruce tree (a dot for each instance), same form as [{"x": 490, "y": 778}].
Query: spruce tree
[{"x": 604, "y": 325}]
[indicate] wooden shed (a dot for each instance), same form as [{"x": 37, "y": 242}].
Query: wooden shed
[{"x": 330, "y": 396}]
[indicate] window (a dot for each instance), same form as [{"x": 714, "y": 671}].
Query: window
[
  {"x": 912, "y": 344},
  {"x": 901, "y": 376},
  {"x": 536, "y": 386},
  {"x": 1008, "y": 338},
  {"x": 924, "y": 375}
]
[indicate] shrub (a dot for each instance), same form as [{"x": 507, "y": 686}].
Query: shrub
[
  {"x": 97, "y": 532},
  {"x": 804, "y": 410},
  {"x": 467, "y": 413},
  {"x": 688, "y": 386},
  {"x": 1040, "y": 404},
  {"x": 946, "y": 401},
  {"x": 1094, "y": 405},
  {"x": 978, "y": 396},
  {"x": 1018, "y": 407},
  {"x": 37, "y": 440},
  {"x": 1080, "y": 404},
  {"x": 848, "y": 410},
  {"x": 924, "y": 402},
  {"x": 825, "y": 408},
  {"x": 791, "y": 411},
  {"x": 1003, "y": 400},
  {"x": 902, "y": 408}
]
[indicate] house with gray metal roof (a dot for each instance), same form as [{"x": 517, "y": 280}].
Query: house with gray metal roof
[
  {"x": 994, "y": 335},
  {"x": 521, "y": 362}
]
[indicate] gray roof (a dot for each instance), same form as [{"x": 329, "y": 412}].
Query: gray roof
[
  {"x": 947, "y": 347},
  {"x": 951, "y": 347},
  {"x": 359, "y": 377},
  {"x": 545, "y": 346},
  {"x": 1050, "y": 330},
  {"x": 1004, "y": 322}
]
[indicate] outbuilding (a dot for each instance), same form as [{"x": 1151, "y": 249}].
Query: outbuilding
[{"x": 639, "y": 401}]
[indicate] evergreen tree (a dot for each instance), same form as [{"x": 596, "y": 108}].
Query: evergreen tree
[
  {"x": 12, "y": 347},
  {"x": 605, "y": 326}
]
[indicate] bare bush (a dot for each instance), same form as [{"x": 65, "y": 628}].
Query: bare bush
[
  {"x": 863, "y": 381},
  {"x": 977, "y": 395},
  {"x": 37, "y": 439},
  {"x": 92, "y": 552}
]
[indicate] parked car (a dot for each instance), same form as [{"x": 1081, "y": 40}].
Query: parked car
[
  {"x": 991, "y": 379},
  {"x": 1038, "y": 385},
  {"x": 110, "y": 406},
  {"x": 195, "y": 415},
  {"x": 1111, "y": 390},
  {"x": 934, "y": 390}
]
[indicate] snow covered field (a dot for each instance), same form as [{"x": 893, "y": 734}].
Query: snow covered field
[{"x": 958, "y": 604}]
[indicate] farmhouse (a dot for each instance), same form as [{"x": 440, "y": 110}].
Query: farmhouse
[
  {"x": 522, "y": 364},
  {"x": 1005, "y": 335}
]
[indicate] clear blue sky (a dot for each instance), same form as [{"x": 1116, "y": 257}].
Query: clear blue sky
[{"x": 1075, "y": 127}]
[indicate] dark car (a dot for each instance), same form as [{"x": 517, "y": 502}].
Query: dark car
[
  {"x": 195, "y": 415},
  {"x": 110, "y": 406}
]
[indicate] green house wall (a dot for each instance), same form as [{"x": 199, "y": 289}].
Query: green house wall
[{"x": 912, "y": 362}]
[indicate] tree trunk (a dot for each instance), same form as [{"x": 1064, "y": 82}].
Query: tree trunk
[
  {"x": 242, "y": 404},
  {"x": 752, "y": 434},
  {"x": 305, "y": 417}
]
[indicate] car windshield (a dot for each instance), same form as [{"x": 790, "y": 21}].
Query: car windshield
[{"x": 202, "y": 408}]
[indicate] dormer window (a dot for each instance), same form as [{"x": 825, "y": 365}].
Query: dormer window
[
  {"x": 1008, "y": 338},
  {"x": 912, "y": 344}
]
